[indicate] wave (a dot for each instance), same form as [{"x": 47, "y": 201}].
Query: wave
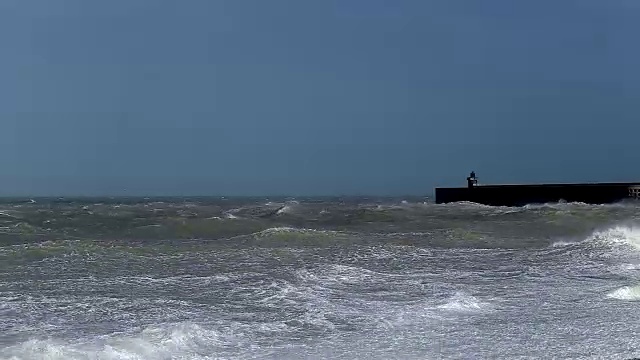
[
  {"x": 620, "y": 235},
  {"x": 463, "y": 302},
  {"x": 231, "y": 216},
  {"x": 559, "y": 204},
  {"x": 626, "y": 293},
  {"x": 291, "y": 233},
  {"x": 344, "y": 275},
  {"x": 164, "y": 341},
  {"x": 567, "y": 208},
  {"x": 563, "y": 243}
]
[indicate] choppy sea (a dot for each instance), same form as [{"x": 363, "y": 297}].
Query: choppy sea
[{"x": 317, "y": 278}]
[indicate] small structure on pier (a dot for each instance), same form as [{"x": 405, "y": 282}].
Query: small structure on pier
[
  {"x": 634, "y": 192},
  {"x": 472, "y": 180}
]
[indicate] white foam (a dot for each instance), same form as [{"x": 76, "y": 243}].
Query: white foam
[
  {"x": 619, "y": 235},
  {"x": 631, "y": 267},
  {"x": 5, "y": 213},
  {"x": 184, "y": 340},
  {"x": 463, "y": 302},
  {"x": 281, "y": 229},
  {"x": 626, "y": 293},
  {"x": 563, "y": 243},
  {"x": 560, "y": 205},
  {"x": 284, "y": 210},
  {"x": 293, "y": 230}
]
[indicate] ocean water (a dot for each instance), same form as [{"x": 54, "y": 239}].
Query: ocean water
[{"x": 336, "y": 278}]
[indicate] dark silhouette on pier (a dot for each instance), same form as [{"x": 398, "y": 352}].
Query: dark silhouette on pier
[{"x": 518, "y": 195}]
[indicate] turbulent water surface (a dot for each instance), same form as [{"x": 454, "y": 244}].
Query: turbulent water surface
[{"x": 317, "y": 278}]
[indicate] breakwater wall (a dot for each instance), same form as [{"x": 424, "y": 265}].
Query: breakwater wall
[{"x": 519, "y": 195}]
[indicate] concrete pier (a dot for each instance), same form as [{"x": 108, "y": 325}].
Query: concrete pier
[{"x": 519, "y": 195}]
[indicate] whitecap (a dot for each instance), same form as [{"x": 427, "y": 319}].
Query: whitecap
[
  {"x": 163, "y": 341},
  {"x": 562, "y": 243},
  {"x": 618, "y": 235},
  {"x": 626, "y": 293},
  {"x": 284, "y": 210},
  {"x": 463, "y": 302}
]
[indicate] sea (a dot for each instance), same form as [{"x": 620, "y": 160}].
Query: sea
[{"x": 317, "y": 278}]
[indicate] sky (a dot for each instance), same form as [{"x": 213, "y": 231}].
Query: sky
[{"x": 301, "y": 97}]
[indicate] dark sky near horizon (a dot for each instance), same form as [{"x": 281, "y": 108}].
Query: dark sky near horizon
[{"x": 150, "y": 97}]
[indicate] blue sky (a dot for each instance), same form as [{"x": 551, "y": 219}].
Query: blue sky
[{"x": 252, "y": 97}]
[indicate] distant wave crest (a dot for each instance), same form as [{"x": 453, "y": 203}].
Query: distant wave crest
[
  {"x": 463, "y": 302},
  {"x": 626, "y": 293}
]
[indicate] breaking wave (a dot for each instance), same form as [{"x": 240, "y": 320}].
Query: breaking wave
[
  {"x": 166, "y": 341},
  {"x": 621, "y": 235},
  {"x": 292, "y": 233},
  {"x": 626, "y": 293},
  {"x": 563, "y": 243},
  {"x": 463, "y": 302}
]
